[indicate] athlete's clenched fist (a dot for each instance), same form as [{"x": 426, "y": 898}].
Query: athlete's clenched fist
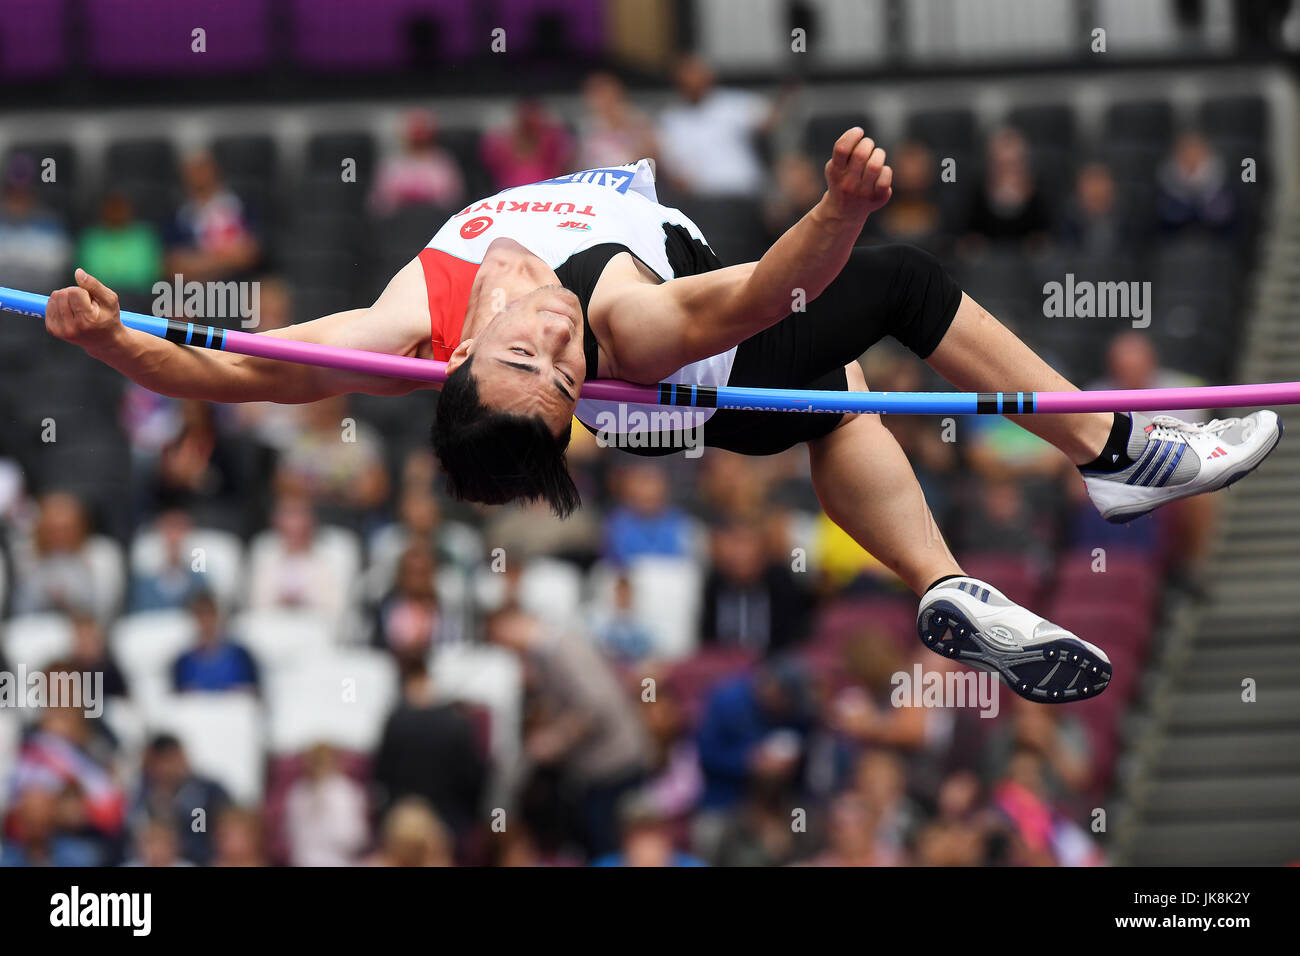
[
  {"x": 85, "y": 314},
  {"x": 859, "y": 182}
]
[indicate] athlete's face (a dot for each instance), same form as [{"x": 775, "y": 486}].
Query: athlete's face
[{"x": 528, "y": 356}]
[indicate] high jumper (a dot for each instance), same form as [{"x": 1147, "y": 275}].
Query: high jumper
[{"x": 533, "y": 293}]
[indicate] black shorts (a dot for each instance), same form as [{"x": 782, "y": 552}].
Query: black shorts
[{"x": 888, "y": 290}]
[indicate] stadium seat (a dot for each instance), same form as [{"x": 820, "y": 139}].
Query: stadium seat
[
  {"x": 339, "y": 697},
  {"x": 666, "y": 595},
  {"x": 141, "y": 160},
  {"x": 222, "y": 552},
  {"x": 556, "y": 28},
  {"x": 339, "y": 35},
  {"x": 222, "y": 737},
  {"x": 1045, "y": 123},
  {"x": 823, "y": 129},
  {"x": 34, "y": 640},
  {"x": 284, "y": 639},
  {"x": 146, "y": 646},
  {"x": 491, "y": 677},
  {"x": 59, "y": 194},
  {"x": 1141, "y": 121},
  {"x": 1232, "y": 118}
]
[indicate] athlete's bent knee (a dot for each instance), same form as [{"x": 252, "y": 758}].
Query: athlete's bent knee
[{"x": 923, "y": 300}]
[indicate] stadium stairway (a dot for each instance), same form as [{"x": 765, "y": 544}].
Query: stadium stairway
[{"x": 1213, "y": 779}]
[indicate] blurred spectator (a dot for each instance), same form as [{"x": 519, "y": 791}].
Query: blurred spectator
[
  {"x": 213, "y": 237},
  {"x": 70, "y": 757},
  {"x": 582, "y": 725},
  {"x": 959, "y": 833},
  {"x": 429, "y": 749},
  {"x": 529, "y": 529},
  {"x": 1193, "y": 189},
  {"x": 618, "y": 631},
  {"x": 34, "y": 241},
  {"x": 196, "y": 466},
  {"x": 1008, "y": 205},
  {"x": 173, "y": 793},
  {"x": 325, "y": 813},
  {"x": 90, "y": 654},
  {"x": 912, "y": 215},
  {"x": 36, "y": 837},
  {"x": 1043, "y": 837},
  {"x": 174, "y": 582},
  {"x": 217, "y": 662},
  {"x": 422, "y": 174},
  {"x": 674, "y": 783},
  {"x": 753, "y": 726},
  {"x": 238, "y": 838},
  {"x": 798, "y": 185},
  {"x": 62, "y": 566},
  {"x": 532, "y": 147},
  {"x": 121, "y": 250},
  {"x": 408, "y": 621},
  {"x": 864, "y": 711},
  {"x": 337, "y": 461},
  {"x": 611, "y": 131},
  {"x": 1059, "y": 740},
  {"x": 644, "y": 522},
  {"x": 1002, "y": 521},
  {"x": 647, "y": 840},
  {"x": 852, "y": 835},
  {"x": 412, "y": 835},
  {"x": 750, "y": 601},
  {"x": 1095, "y": 224},
  {"x": 293, "y": 568},
  {"x": 157, "y": 844},
  {"x": 880, "y": 779},
  {"x": 1133, "y": 362},
  {"x": 420, "y": 523},
  {"x": 707, "y": 139}
]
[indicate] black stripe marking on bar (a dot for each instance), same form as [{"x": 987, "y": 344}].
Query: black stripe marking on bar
[
  {"x": 1029, "y": 403},
  {"x": 706, "y": 396},
  {"x": 176, "y": 331},
  {"x": 986, "y": 403},
  {"x": 665, "y": 392}
]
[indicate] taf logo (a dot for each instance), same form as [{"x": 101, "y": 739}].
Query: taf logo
[
  {"x": 475, "y": 227},
  {"x": 571, "y": 224}
]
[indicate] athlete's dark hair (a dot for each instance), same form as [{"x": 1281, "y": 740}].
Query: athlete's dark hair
[{"x": 494, "y": 457}]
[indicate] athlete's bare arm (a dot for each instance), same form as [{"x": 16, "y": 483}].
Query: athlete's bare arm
[
  {"x": 656, "y": 328},
  {"x": 398, "y": 323}
]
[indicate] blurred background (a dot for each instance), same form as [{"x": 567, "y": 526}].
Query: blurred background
[{"x": 313, "y": 657}]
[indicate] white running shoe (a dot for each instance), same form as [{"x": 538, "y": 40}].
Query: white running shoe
[
  {"x": 1176, "y": 459},
  {"x": 969, "y": 621}
]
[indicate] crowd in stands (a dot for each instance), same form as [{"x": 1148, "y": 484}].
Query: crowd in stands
[{"x": 697, "y": 668}]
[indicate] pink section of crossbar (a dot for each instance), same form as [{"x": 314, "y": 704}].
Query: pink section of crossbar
[{"x": 1156, "y": 399}]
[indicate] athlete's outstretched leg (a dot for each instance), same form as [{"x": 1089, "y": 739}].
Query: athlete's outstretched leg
[
  {"x": 867, "y": 487},
  {"x": 1131, "y": 463},
  {"x": 980, "y": 354}
]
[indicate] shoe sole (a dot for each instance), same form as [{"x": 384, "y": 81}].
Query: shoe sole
[
  {"x": 1054, "y": 672},
  {"x": 1236, "y": 476}
]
